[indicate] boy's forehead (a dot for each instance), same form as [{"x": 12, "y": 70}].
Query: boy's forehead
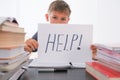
[{"x": 58, "y": 13}]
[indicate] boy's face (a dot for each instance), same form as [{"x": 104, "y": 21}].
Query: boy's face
[{"x": 57, "y": 17}]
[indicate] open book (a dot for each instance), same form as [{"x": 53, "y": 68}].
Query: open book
[{"x": 61, "y": 44}]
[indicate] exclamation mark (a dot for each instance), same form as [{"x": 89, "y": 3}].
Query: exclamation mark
[{"x": 78, "y": 48}]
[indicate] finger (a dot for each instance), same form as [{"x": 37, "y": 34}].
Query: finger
[
  {"x": 28, "y": 49},
  {"x": 31, "y": 44},
  {"x": 93, "y": 47},
  {"x": 35, "y": 44},
  {"x": 94, "y": 51}
]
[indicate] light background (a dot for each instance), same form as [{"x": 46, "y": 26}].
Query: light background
[{"x": 103, "y": 14}]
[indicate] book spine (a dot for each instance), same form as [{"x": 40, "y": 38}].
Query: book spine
[
  {"x": 102, "y": 72},
  {"x": 95, "y": 73},
  {"x": 110, "y": 65}
]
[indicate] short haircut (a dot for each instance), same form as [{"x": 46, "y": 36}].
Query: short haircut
[{"x": 59, "y": 6}]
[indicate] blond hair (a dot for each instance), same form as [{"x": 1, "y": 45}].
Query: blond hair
[{"x": 59, "y": 6}]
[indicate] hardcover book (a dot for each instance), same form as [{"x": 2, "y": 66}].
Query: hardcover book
[
  {"x": 8, "y": 39},
  {"x": 9, "y": 67},
  {"x": 101, "y": 72},
  {"x": 15, "y": 73},
  {"x": 111, "y": 64},
  {"x": 6, "y": 61},
  {"x": 10, "y": 24},
  {"x": 11, "y": 29},
  {"x": 4, "y": 20},
  {"x": 10, "y": 52}
]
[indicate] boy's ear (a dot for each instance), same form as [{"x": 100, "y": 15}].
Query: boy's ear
[
  {"x": 46, "y": 16},
  {"x": 69, "y": 19}
]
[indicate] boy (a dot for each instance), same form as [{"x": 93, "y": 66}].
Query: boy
[{"x": 58, "y": 13}]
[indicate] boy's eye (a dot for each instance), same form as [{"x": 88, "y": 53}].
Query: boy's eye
[
  {"x": 63, "y": 19},
  {"x": 54, "y": 17}
]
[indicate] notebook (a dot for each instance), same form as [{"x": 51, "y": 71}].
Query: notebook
[{"x": 63, "y": 44}]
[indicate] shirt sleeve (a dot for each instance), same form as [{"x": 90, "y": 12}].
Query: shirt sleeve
[{"x": 35, "y": 36}]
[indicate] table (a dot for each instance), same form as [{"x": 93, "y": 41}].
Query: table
[{"x": 71, "y": 74}]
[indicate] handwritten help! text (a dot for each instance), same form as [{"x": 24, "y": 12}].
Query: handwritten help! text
[{"x": 63, "y": 42}]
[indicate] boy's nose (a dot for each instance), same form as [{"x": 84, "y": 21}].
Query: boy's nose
[{"x": 59, "y": 22}]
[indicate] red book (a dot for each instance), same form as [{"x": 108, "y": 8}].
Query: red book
[{"x": 101, "y": 72}]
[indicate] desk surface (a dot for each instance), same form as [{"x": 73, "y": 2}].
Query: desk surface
[{"x": 72, "y": 74}]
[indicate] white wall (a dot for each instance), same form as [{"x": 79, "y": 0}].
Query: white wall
[
  {"x": 9, "y": 8},
  {"x": 103, "y": 14},
  {"x": 33, "y": 12},
  {"x": 108, "y": 26}
]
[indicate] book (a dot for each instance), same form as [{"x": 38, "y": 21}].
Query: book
[
  {"x": 10, "y": 52},
  {"x": 101, "y": 72},
  {"x": 62, "y": 44},
  {"x": 108, "y": 53},
  {"x": 15, "y": 73},
  {"x": 8, "y": 19},
  {"x": 113, "y": 47},
  {"x": 6, "y": 61},
  {"x": 11, "y": 28},
  {"x": 111, "y": 64},
  {"x": 8, "y": 39},
  {"x": 12, "y": 66},
  {"x": 109, "y": 59},
  {"x": 10, "y": 23}
]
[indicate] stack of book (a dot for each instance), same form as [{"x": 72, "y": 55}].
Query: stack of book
[
  {"x": 12, "y": 54},
  {"x": 107, "y": 66}
]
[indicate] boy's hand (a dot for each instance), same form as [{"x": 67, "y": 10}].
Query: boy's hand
[
  {"x": 30, "y": 45},
  {"x": 94, "y": 51}
]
